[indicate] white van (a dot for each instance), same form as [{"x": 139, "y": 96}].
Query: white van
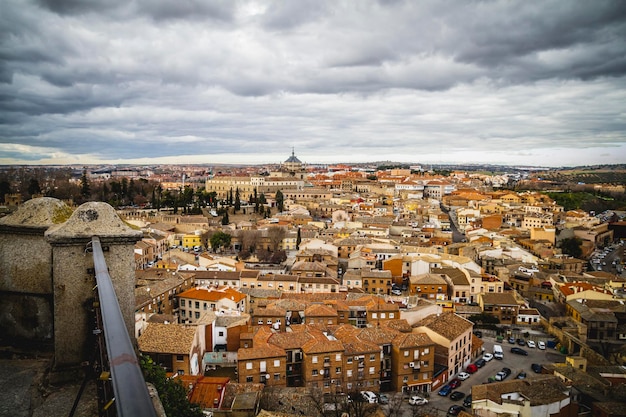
[{"x": 497, "y": 352}]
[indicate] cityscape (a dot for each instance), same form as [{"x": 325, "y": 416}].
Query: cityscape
[
  {"x": 382, "y": 208},
  {"x": 364, "y": 289}
]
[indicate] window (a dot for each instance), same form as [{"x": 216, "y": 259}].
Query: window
[
  {"x": 197, "y": 314},
  {"x": 276, "y": 363},
  {"x": 406, "y": 353},
  {"x": 349, "y": 361},
  {"x": 220, "y": 334},
  {"x": 349, "y": 373},
  {"x": 198, "y": 305},
  {"x": 182, "y": 303},
  {"x": 180, "y": 358},
  {"x": 183, "y": 313},
  {"x": 338, "y": 370},
  {"x": 276, "y": 377},
  {"x": 249, "y": 379},
  {"x": 263, "y": 366},
  {"x": 372, "y": 357},
  {"x": 374, "y": 315},
  {"x": 405, "y": 379},
  {"x": 372, "y": 370},
  {"x": 314, "y": 372},
  {"x": 248, "y": 365},
  {"x": 204, "y": 306},
  {"x": 391, "y": 315},
  {"x": 314, "y": 359},
  {"x": 338, "y": 357}
]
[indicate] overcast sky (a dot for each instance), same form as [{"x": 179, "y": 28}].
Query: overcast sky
[{"x": 196, "y": 81}]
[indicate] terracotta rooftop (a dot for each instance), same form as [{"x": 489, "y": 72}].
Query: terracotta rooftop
[
  {"x": 260, "y": 351},
  {"x": 319, "y": 310},
  {"x": 539, "y": 390},
  {"x": 501, "y": 298},
  {"x": 212, "y": 295},
  {"x": 167, "y": 338},
  {"x": 409, "y": 340},
  {"x": 449, "y": 325}
]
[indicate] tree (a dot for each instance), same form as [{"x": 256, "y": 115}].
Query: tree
[
  {"x": 280, "y": 200},
  {"x": 85, "y": 191},
  {"x": 172, "y": 393},
  {"x": 225, "y": 219},
  {"x": 394, "y": 407},
  {"x": 219, "y": 240},
  {"x": 237, "y": 200},
  {"x": 359, "y": 407},
  {"x": 249, "y": 240},
  {"x": 276, "y": 234},
  {"x": 33, "y": 187},
  {"x": 572, "y": 247},
  {"x": 298, "y": 239},
  {"x": 5, "y": 188}
]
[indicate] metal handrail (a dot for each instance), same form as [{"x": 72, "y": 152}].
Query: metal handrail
[{"x": 132, "y": 398}]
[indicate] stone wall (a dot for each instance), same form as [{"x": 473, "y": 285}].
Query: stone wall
[
  {"x": 26, "y": 310},
  {"x": 47, "y": 282}
]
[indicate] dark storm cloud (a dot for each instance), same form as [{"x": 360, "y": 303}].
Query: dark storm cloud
[
  {"x": 121, "y": 80},
  {"x": 155, "y": 9}
]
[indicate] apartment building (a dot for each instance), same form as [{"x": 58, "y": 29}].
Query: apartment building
[
  {"x": 453, "y": 334},
  {"x": 323, "y": 358},
  {"x": 265, "y": 364},
  {"x": 503, "y": 306},
  {"x": 376, "y": 282},
  {"x": 429, "y": 286},
  {"x": 413, "y": 362},
  {"x": 193, "y": 302},
  {"x": 177, "y": 348}
]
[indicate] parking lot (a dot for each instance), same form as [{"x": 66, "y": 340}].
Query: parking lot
[{"x": 439, "y": 405}]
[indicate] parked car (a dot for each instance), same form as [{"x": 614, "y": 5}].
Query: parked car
[
  {"x": 467, "y": 402},
  {"x": 471, "y": 368},
  {"x": 463, "y": 376},
  {"x": 417, "y": 400},
  {"x": 478, "y": 333},
  {"x": 396, "y": 292},
  {"x": 530, "y": 344},
  {"x": 454, "y": 383},
  {"x": 445, "y": 390},
  {"x": 519, "y": 351},
  {"x": 487, "y": 356},
  {"x": 541, "y": 345},
  {"x": 521, "y": 342},
  {"x": 536, "y": 368},
  {"x": 456, "y": 395},
  {"x": 480, "y": 363},
  {"x": 503, "y": 374},
  {"x": 512, "y": 340},
  {"x": 455, "y": 410},
  {"x": 521, "y": 375},
  {"x": 383, "y": 399},
  {"x": 369, "y": 396}
]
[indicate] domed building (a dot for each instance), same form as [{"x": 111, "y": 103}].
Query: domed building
[{"x": 293, "y": 167}]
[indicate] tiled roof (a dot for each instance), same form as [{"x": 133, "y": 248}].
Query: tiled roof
[
  {"x": 380, "y": 335},
  {"x": 540, "y": 390},
  {"x": 409, "y": 340},
  {"x": 291, "y": 340},
  {"x": 205, "y": 389},
  {"x": 212, "y": 295},
  {"x": 502, "y": 298},
  {"x": 456, "y": 275},
  {"x": 428, "y": 279},
  {"x": 449, "y": 325},
  {"x": 260, "y": 351},
  {"x": 319, "y": 310},
  {"x": 167, "y": 338}
]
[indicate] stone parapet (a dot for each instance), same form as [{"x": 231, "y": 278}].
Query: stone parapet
[
  {"x": 73, "y": 277},
  {"x": 26, "y": 271}
]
